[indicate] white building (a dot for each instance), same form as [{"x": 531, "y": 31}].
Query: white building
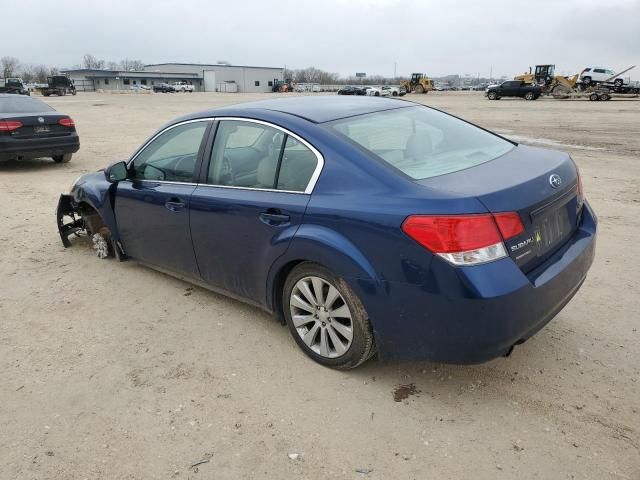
[
  {"x": 204, "y": 78},
  {"x": 219, "y": 77}
]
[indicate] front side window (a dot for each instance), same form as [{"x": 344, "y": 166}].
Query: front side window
[
  {"x": 422, "y": 142},
  {"x": 245, "y": 154},
  {"x": 172, "y": 155},
  {"x": 126, "y": 81},
  {"x": 257, "y": 83}
]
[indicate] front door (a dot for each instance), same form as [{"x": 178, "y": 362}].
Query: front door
[
  {"x": 152, "y": 206},
  {"x": 249, "y": 205}
]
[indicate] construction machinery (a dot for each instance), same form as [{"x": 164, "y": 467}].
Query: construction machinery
[
  {"x": 551, "y": 84},
  {"x": 282, "y": 85},
  {"x": 419, "y": 83}
]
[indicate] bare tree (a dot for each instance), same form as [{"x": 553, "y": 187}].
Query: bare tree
[
  {"x": 128, "y": 65},
  {"x": 40, "y": 73},
  {"x": 91, "y": 62},
  {"x": 9, "y": 66},
  {"x": 113, "y": 65},
  {"x": 27, "y": 73}
]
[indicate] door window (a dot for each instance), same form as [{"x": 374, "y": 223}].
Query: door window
[
  {"x": 297, "y": 166},
  {"x": 245, "y": 154},
  {"x": 172, "y": 155}
]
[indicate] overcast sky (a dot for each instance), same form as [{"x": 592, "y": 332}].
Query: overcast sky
[{"x": 343, "y": 36}]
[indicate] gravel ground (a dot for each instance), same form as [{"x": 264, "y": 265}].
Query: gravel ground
[{"x": 114, "y": 371}]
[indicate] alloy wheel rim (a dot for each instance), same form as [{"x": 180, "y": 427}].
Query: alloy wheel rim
[{"x": 321, "y": 317}]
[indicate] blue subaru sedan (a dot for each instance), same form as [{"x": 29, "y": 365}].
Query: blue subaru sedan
[{"x": 367, "y": 225}]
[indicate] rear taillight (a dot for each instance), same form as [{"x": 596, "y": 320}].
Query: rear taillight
[
  {"x": 9, "y": 125},
  {"x": 464, "y": 239},
  {"x": 66, "y": 122}
]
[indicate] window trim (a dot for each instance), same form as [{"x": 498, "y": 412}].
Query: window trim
[
  {"x": 203, "y": 142},
  {"x": 307, "y": 191},
  {"x": 312, "y": 181}
]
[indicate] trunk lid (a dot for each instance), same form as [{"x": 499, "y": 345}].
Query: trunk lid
[
  {"x": 540, "y": 185},
  {"x": 38, "y": 125}
]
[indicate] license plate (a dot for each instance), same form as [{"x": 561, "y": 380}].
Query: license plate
[
  {"x": 552, "y": 229},
  {"x": 41, "y": 129}
]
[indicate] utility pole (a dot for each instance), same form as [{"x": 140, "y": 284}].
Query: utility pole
[
  {"x": 491, "y": 73},
  {"x": 395, "y": 65}
]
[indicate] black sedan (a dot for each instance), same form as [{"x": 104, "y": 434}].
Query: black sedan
[
  {"x": 29, "y": 128},
  {"x": 351, "y": 90},
  {"x": 164, "y": 88}
]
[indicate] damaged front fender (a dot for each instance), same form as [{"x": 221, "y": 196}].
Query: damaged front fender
[{"x": 74, "y": 225}]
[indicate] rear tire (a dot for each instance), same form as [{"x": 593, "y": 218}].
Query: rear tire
[
  {"x": 418, "y": 89},
  {"x": 586, "y": 80},
  {"x": 66, "y": 158},
  {"x": 618, "y": 82},
  {"x": 594, "y": 97},
  {"x": 529, "y": 96},
  {"x": 492, "y": 96},
  {"x": 331, "y": 326}
]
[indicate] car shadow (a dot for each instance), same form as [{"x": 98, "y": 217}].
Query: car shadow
[{"x": 36, "y": 164}]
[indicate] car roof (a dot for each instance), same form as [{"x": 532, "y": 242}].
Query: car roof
[{"x": 316, "y": 109}]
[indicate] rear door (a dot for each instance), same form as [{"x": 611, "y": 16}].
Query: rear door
[
  {"x": 152, "y": 206},
  {"x": 254, "y": 190}
]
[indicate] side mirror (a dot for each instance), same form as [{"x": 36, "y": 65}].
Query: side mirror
[{"x": 116, "y": 172}]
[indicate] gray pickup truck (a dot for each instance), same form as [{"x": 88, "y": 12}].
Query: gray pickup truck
[{"x": 513, "y": 88}]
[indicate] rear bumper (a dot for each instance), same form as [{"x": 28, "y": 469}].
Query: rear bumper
[
  {"x": 38, "y": 147},
  {"x": 475, "y": 314}
]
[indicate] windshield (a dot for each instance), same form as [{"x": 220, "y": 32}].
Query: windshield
[
  {"x": 22, "y": 104},
  {"x": 422, "y": 142}
]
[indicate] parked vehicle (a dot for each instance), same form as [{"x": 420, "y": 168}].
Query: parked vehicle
[
  {"x": 164, "y": 88},
  {"x": 138, "y": 86},
  {"x": 351, "y": 90},
  {"x": 393, "y": 91},
  {"x": 13, "y": 85},
  {"x": 29, "y": 128},
  {"x": 513, "y": 88},
  {"x": 58, "y": 85},
  {"x": 279, "y": 203},
  {"x": 376, "y": 92},
  {"x": 183, "y": 87}
]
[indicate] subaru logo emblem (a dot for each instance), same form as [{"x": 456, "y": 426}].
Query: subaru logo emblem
[
  {"x": 41, "y": 120},
  {"x": 555, "y": 181}
]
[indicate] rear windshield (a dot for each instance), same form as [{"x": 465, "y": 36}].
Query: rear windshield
[
  {"x": 422, "y": 142},
  {"x": 22, "y": 104}
]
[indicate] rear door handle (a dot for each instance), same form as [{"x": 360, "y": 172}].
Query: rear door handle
[
  {"x": 274, "y": 217},
  {"x": 174, "y": 204}
]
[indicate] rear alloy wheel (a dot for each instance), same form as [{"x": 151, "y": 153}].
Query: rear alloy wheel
[
  {"x": 66, "y": 158},
  {"x": 618, "y": 82},
  {"x": 326, "y": 318},
  {"x": 529, "y": 96}
]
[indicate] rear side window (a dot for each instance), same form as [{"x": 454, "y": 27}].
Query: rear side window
[
  {"x": 245, "y": 154},
  {"x": 297, "y": 166},
  {"x": 23, "y": 104},
  {"x": 253, "y": 155},
  {"x": 172, "y": 155},
  {"x": 422, "y": 142},
  {"x": 599, "y": 70}
]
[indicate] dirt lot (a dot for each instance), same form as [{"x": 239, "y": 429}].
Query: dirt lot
[{"x": 113, "y": 370}]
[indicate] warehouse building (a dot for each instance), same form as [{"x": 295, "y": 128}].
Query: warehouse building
[
  {"x": 203, "y": 77},
  {"x": 222, "y": 77}
]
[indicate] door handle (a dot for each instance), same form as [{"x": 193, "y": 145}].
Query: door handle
[
  {"x": 274, "y": 217},
  {"x": 174, "y": 204}
]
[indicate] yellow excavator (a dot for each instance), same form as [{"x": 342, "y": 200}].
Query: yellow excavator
[
  {"x": 419, "y": 83},
  {"x": 551, "y": 84}
]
